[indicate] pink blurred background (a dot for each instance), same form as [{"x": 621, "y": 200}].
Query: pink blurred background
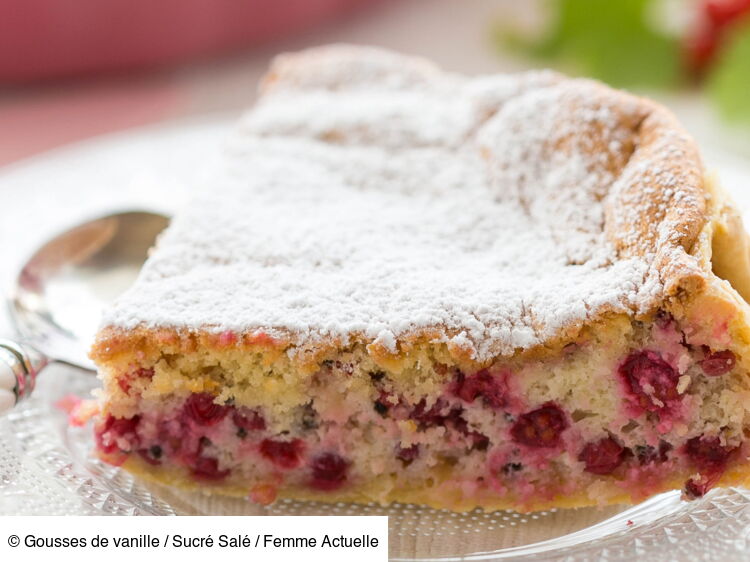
[
  {"x": 73, "y": 69},
  {"x": 44, "y": 39}
]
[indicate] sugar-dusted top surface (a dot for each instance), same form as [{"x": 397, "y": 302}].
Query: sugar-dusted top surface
[{"x": 371, "y": 194}]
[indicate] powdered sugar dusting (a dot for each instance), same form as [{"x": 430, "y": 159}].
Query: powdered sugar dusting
[{"x": 370, "y": 194}]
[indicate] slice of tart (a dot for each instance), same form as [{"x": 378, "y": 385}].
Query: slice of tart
[{"x": 513, "y": 291}]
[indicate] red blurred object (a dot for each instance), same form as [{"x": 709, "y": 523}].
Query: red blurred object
[
  {"x": 723, "y": 12},
  {"x": 715, "y": 21},
  {"x": 42, "y": 39}
]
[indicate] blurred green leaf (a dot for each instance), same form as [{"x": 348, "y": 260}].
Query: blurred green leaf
[
  {"x": 729, "y": 83},
  {"x": 609, "y": 40}
]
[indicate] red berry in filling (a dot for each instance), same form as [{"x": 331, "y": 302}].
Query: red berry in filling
[
  {"x": 479, "y": 441},
  {"x": 408, "y": 454},
  {"x": 125, "y": 381},
  {"x": 249, "y": 420},
  {"x": 708, "y": 454},
  {"x": 207, "y": 468},
  {"x": 718, "y": 363},
  {"x": 284, "y": 454},
  {"x": 117, "y": 428},
  {"x": 203, "y": 410},
  {"x": 650, "y": 381},
  {"x": 603, "y": 456},
  {"x": 123, "y": 426},
  {"x": 699, "y": 487},
  {"x": 436, "y": 415},
  {"x": 145, "y": 373},
  {"x": 456, "y": 421},
  {"x": 696, "y": 487},
  {"x": 328, "y": 471},
  {"x": 710, "y": 457},
  {"x": 541, "y": 427},
  {"x": 453, "y": 419},
  {"x": 491, "y": 388}
]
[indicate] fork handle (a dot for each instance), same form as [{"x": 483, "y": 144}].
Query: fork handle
[{"x": 19, "y": 367}]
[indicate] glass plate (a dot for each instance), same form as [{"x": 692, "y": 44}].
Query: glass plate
[{"x": 46, "y": 467}]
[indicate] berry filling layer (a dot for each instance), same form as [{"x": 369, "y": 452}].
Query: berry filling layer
[{"x": 618, "y": 416}]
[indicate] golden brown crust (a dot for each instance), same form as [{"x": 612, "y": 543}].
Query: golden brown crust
[{"x": 115, "y": 344}]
